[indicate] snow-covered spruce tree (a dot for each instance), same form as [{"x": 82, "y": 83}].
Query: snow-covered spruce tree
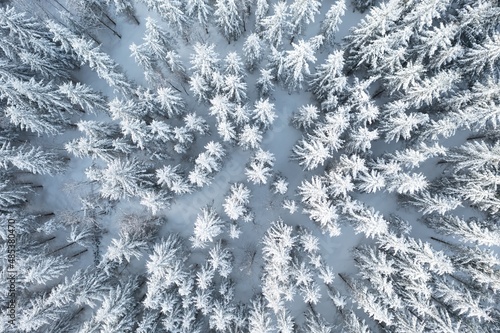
[
  {"x": 93, "y": 13},
  {"x": 235, "y": 88},
  {"x": 121, "y": 178},
  {"x": 310, "y": 152},
  {"x": 89, "y": 53},
  {"x": 207, "y": 226},
  {"x": 207, "y": 163},
  {"x": 305, "y": 117},
  {"x": 172, "y": 178},
  {"x": 260, "y": 167},
  {"x": 261, "y": 10},
  {"x": 471, "y": 230},
  {"x": 263, "y": 113},
  {"x": 253, "y": 49},
  {"x": 221, "y": 259},
  {"x": 158, "y": 40},
  {"x": 236, "y": 203},
  {"x": 201, "y": 10},
  {"x": 277, "y": 281},
  {"x": 170, "y": 101},
  {"x": 31, "y": 159},
  {"x": 328, "y": 77},
  {"x": 333, "y": 18},
  {"x": 117, "y": 310},
  {"x": 26, "y": 40},
  {"x": 259, "y": 319},
  {"x": 296, "y": 64},
  {"x": 229, "y": 18},
  {"x": 204, "y": 61},
  {"x": 124, "y": 7},
  {"x": 172, "y": 11},
  {"x": 302, "y": 13},
  {"x": 265, "y": 84},
  {"x": 84, "y": 96},
  {"x": 277, "y": 26}
]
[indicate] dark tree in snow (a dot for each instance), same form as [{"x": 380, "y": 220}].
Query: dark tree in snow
[{"x": 362, "y": 5}]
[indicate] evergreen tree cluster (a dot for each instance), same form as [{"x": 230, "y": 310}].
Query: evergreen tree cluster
[{"x": 406, "y": 108}]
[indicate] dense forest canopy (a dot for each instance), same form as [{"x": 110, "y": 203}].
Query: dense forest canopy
[{"x": 250, "y": 166}]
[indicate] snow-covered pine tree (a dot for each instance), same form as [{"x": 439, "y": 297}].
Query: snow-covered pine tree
[
  {"x": 158, "y": 40},
  {"x": 471, "y": 230},
  {"x": 172, "y": 11},
  {"x": 207, "y": 226},
  {"x": 200, "y": 88},
  {"x": 305, "y": 117},
  {"x": 328, "y": 77},
  {"x": 170, "y": 101},
  {"x": 302, "y": 13},
  {"x": 253, "y": 50},
  {"x": 88, "y": 52},
  {"x": 264, "y": 84},
  {"x": 259, "y": 320},
  {"x": 31, "y": 159},
  {"x": 83, "y": 95},
  {"x": 260, "y": 167},
  {"x": 121, "y": 178},
  {"x": 229, "y": 18},
  {"x": 263, "y": 113},
  {"x": 233, "y": 65},
  {"x": 277, "y": 26},
  {"x": 124, "y": 7},
  {"x": 27, "y": 40},
  {"x": 296, "y": 64},
  {"x": 201, "y": 10},
  {"x": 235, "y": 204},
  {"x": 250, "y": 137},
  {"x": 310, "y": 152},
  {"x": 261, "y": 10},
  {"x": 205, "y": 60},
  {"x": 235, "y": 88},
  {"x": 333, "y": 19},
  {"x": 221, "y": 259}
]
